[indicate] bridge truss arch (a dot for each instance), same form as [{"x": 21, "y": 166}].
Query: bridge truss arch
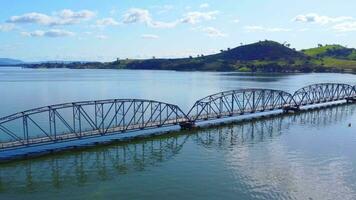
[
  {"x": 322, "y": 93},
  {"x": 71, "y": 121},
  {"x": 239, "y": 102}
]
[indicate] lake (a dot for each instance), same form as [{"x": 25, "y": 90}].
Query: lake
[{"x": 309, "y": 155}]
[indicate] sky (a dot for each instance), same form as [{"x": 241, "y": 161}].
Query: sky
[{"x": 103, "y": 30}]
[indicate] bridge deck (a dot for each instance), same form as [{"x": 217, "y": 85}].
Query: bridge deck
[
  {"x": 121, "y": 129},
  {"x": 159, "y": 114},
  {"x": 86, "y": 134}
]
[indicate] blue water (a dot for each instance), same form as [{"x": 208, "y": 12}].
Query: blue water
[
  {"x": 29, "y": 88},
  {"x": 305, "y": 156}
]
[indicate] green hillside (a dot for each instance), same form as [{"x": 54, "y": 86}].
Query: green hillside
[
  {"x": 333, "y": 56},
  {"x": 265, "y": 50},
  {"x": 266, "y": 56},
  {"x": 333, "y": 51},
  {"x": 263, "y": 56}
]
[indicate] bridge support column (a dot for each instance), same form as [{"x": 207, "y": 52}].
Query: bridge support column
[
  {"x": 187, "y": 125},
  {"x": 291, "y": 109},
  {"x": 351, "y": 100}
]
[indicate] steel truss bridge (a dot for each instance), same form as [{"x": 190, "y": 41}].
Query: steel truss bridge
[
  {"x": 80, "y": 120},
  {"x": 109, "y": 162}
]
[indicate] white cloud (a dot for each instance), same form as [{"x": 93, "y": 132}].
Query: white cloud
[
  {"x": 197, "y": 17},
  {"x": 6, "y": 27},
  {"x": 58, "y": 33},
  {"x": 102, "y": 37},
  {"x": 149, "y": 36},
  {"x": 213, "y": 32},
  {"x": 107, "y": 22},
  {"x": 136, "y": 15},
  {"x": 33, "y": 17},
  {"x": 64, "y": 17},
  {"x": 339, "y": 24},
  {"x": 265, "y": 29},
  {"x": 81, "y": 15},
  {"x": 49, "y": 33},
  {"x": 204, "y": 5},
  {"x": 319, "y": 19},
  {"x": 236, "y": 21},
  {"x": 345, "y": 26}
]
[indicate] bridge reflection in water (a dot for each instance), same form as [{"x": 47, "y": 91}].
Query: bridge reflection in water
[
  {"x": 105, "y": 163},
  {"x": 259, "y": 130},
  {"x": 82, "y": 120}
]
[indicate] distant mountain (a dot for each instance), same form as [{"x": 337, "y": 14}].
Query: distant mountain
[
  {"x": 9, "y": 61},
  {"x": 263, "y": 56}
]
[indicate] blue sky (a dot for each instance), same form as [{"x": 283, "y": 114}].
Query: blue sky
[{"x": 104, "y": 30}]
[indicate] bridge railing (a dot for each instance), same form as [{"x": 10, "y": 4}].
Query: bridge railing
[
  {"x": 323, "y": 92},
  {"x": 71, "y": 121},
  {"x": 238, "y": 102},
  {"x": 85, "y": 119}
]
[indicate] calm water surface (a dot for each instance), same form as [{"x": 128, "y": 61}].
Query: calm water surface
[{"x": 304, "y": 156}]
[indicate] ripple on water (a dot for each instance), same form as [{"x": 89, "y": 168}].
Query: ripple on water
[{"x": 291, "y": 157}]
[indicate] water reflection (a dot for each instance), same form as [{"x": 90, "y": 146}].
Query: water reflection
[
  {"x": 256, "y": 77},
  {"x": 260, "y": 130},
  {"x": 81, "y": 167},
  {"x": 259, "y": 164}
]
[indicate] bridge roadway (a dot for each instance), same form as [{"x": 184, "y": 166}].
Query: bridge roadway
[
  {"x": 108, "y": 117},
  {"x": 85, "y": 134},
  {"x": 121, "y": 129}
]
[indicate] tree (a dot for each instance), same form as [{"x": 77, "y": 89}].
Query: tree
[
  {"x": 286, "y": 44},
  {"x": 320, "y": 45}
]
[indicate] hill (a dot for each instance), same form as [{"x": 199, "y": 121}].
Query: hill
[
  {"x": 333, "y": 56},
  {"x": 265, "y": 50},
  {"x": 333, "y": 51},
  {"x": 266, "y": 56},
  {"x": 263, "y": 56},
  {"x": 9, "y": 61}
]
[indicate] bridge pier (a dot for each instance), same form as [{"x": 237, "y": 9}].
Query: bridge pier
[
  {"x": 291, "y": 109},
  {"x": 187, "y": 125},
  {"x": 351, "y": 99}
]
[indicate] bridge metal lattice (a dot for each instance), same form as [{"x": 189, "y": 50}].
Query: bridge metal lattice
[
  {"x": 86, "y": 119},
  {"x": 111, "y": 161},
  {"x": 238, "y": 102},
  {"x": 323, "y": 92},
  {"x": 73, "y": 121}
]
